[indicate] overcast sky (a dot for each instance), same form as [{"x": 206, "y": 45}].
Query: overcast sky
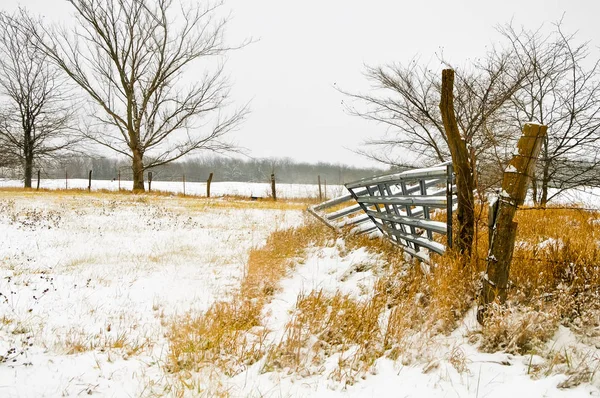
[{"x": 305, "y": 48}]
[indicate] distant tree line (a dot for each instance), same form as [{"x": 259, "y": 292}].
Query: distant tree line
[{"x": 198, "y": 169}]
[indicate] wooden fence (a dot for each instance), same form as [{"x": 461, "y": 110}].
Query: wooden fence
[{"x": 400, "y": 206}]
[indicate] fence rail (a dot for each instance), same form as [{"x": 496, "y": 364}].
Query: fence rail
[{"x": 400, "y": 206}]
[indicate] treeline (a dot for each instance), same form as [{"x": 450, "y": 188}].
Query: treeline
[{"x": 198, "y": 169}]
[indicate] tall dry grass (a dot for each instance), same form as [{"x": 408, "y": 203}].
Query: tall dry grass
[
  {"x": 554, "y": 280},
  {"x": 229, "y": 335}
]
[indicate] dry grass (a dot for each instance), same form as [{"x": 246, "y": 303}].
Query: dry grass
[
  {"x": 193, "y": 201},
  {"x": 554, "y": 280},
  {"x": 408, "y": 300},
  {"x": 326, "y": 325},
  {"x": 229, "y": 335},
  {"x": 121, "y": 343},
  {"x": 555, "y": 275}
]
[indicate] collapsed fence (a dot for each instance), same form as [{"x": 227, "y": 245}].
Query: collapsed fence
[{"x": 400, "y": 206}]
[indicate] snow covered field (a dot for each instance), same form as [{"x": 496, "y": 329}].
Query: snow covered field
[
  {"x": 245, "y": 189},
  {"x": 90, "y": 283}
]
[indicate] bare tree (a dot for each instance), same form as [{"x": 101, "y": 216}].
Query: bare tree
[
  {"x": 406, "y": 100},
  {"x": 37, "y": 115},
  {"x": 563, "y": 92},
  {"x": 430, "y": 121},
  {"x": 130, "y": 56}
]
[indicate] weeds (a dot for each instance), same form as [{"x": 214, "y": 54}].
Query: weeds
[
  {"x": 554, "y": 280},
  {"x": 229, "y": 335}
]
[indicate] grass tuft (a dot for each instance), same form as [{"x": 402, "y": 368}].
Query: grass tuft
[{"x": 229, "y": 335}]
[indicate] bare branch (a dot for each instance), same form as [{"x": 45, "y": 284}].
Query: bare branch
[{"x": 130, "y": 57}]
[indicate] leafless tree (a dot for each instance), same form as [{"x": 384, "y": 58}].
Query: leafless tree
[
  {"x": 563, "y": 92},
  {"x": 406, "y": 99},
  {"x": 130, "y": 56},
  {"x": 36, "y": 114}
]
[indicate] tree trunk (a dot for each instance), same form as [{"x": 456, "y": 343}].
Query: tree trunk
[
  {"x": 28, "y": 170},
  {"x": 138, "y": 170},
  {"x": 28, "y": 158},
  {"x": 545, "y": 184},
  {"x": 461, "y": 161},
  {"x": 534, "y": 189}
]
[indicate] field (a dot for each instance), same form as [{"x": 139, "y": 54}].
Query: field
[
  {"x": 88, "y": 283},
  {"x": 158, "y": 295},
  {"x": 241, "y": 189}
]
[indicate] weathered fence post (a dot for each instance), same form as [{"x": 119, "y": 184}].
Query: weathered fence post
[
  {"x": 320, "y": 193},
  {"x": 184, "y": 185},
  {"x": 273, "y": 191},
  {"x": 208, "y": 185},
  {"x": 90, "y": 181},
  {"x": 119, "y": 180},
  {"x": 465, "y": 183},
  {"x": 38, "y": 182},
  {"x": 149, "y": 181},
  {"x": 66, "y": 180},
  {"x": 504, "y": 229}
]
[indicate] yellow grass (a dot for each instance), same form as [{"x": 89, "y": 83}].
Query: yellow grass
[
  {"x": 554, "y": 279},
  {"x": 191, "y": 202},
  {"x": 229, "y": 335}
]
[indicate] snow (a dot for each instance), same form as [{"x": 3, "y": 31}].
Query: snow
[
  {"x": 322, "y": 270},
  {"x": 583, "y": 196},
  {"x": 79, "y": 270},
  {"x": 246, "y": 189},
  {"x": 95, "y": 270},
  {"x": 331, "y": 269}
]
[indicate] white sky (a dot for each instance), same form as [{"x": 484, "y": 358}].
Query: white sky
[{"x": 307, "y": 46}]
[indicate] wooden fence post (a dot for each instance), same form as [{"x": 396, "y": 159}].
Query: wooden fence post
[
  {"x": 320, "y": 194},
  {"x": 119, "y": 180},
  {"x": 66, "y": 180},
  {"x": 184, "y": 185},
  {"x": 273, "y": 190},
  {"x": 504, "y": 229},
  {"x": 465, "y": 183},
  {"x": 208, "y": 185},
  {"x": 38, "y": 182},
  {"x": 90, "y": 181},
  {"x": 149, "y": 181}
]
